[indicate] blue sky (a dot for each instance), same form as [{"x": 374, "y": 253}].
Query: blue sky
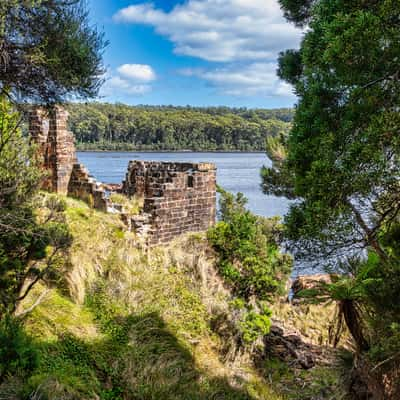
[{"x": 196, "y": 52}]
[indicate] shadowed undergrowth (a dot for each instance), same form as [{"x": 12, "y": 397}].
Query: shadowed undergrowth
[
  {"x": 126, "y": 324},
  {"x": 129, "y": 324}
]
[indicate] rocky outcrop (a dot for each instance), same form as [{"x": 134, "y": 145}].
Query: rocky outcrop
[
  {"x": 303, "y": 282},
  {"x": 375, "y": 382},
  {"x": 289, "y": 346}
]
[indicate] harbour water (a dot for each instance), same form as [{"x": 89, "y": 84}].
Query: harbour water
[{"x": 236, "y": 172}]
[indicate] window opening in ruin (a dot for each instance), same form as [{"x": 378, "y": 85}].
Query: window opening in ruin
[{"x": 190, "y": 181}]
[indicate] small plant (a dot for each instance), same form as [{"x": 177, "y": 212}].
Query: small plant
[
  {"x": 131, "y": 206},
  {"x": 255, "y": 325}
]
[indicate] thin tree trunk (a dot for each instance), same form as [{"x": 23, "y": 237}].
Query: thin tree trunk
[{"x": 369, "y": 234}]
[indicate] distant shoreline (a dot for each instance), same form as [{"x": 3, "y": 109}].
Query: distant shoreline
[{"x": 173, "y": 151}]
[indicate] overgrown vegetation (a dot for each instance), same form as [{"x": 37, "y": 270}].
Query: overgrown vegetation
[
  {"x": 100, "y": 126},
  {"x": 31, "y": 243},
  {"x": 125, "y": 324},
  {"x": 250, "y": 261},
  {"x": 341, "y": 163},
  {"x": 18, "y": 355}
]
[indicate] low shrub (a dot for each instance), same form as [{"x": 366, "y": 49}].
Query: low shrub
[
  {"x": 249, "y": 255},
  {"x": 17, "y": 351},
  {"x": 250, "y": 261}
]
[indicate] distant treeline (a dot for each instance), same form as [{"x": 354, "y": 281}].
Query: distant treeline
[{"x": 102, "y": 126}]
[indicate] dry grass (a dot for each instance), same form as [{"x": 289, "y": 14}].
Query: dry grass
[
  {"x": 130, "y": 323},
  {"x": 312, "y": 321},
  {"x": 95, "y": 237},
  {"x": 151, "y": 326},
  {"x": 131, "y": 206}
]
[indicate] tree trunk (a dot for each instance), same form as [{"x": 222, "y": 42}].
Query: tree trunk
[{"x": 353, "y": 322}]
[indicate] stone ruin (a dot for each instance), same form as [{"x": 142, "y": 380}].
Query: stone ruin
[
  {"x": 177, "y": 197},
  {"x": 57, "y": 155},
  {"x": 56, "y": 149}
]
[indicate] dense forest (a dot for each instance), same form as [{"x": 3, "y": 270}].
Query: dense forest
[{"x": 100, "y": 126}]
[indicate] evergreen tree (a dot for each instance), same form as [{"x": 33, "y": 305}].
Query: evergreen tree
[
  {"x": 343, "y": 150},
  {"x": 48, "y": 50},
  {"x": 341, "y": 163}
]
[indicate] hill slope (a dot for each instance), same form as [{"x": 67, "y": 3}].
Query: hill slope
[{"x": 127, "y": 324}]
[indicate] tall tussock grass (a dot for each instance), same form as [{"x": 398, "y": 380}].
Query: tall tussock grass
[{"x": 132, "y": 323}]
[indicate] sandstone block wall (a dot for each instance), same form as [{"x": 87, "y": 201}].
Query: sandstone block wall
[
  {"x": 83, "y": 186},
  {"x": 179, "y": 197},
  {"x": 57, "y": 154},
  {"x": 56, "y": 148}
]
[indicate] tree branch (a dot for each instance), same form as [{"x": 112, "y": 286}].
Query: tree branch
[{"x": 34, "y": 305}]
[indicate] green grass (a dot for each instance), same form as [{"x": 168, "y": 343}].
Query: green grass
[
  {"x": 131, "y": 206},
  {"x": 129, "y": 324}
]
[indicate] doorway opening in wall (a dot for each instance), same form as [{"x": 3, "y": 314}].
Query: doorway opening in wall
[{"x": 190, "y": 181}]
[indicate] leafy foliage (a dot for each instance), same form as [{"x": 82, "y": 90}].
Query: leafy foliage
[
  {"x": 49, "y": 50},
  {"x": 250, "y": 258},
  {"x": 342, "y": 162},
  {"x": 250, "y": 261},
  {"x": 297, "y": 11},
  {"x": 121, "y": 127},
  {"x": 30, "y": 241},
  {"x": 256, "y": 324},
  {"x": 18, "y": 354}
]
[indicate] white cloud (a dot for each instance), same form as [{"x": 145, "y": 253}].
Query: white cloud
[
  {"x": 129, "y": 79},
  {"x": 137, "y": 72},
  {"x": 120, "y": 85},
  {"x": 219, "y": 30},
  {"x": 255, "y": 79}
]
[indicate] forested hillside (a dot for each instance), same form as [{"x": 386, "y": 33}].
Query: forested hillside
[{"x": 101, "y": 126}]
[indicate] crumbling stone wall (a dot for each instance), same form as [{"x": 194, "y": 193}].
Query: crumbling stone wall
[
  {"x": 57, "y": 154},
  {"x": 83, "y": 186},
  {"x": 56, "y": 148},
  {"x": 178, "y": 197}
]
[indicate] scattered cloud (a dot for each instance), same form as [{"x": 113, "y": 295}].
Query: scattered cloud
[
  {"x": 255, "y": 79},
  {"x": 129, "y": 79},
  {"x": 243, "y": 36},
  {"x": 137, "y": 72},
  {"x": 219, "y": 30}
]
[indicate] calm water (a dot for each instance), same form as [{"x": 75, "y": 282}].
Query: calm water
[{"x": 236, "y": 172}]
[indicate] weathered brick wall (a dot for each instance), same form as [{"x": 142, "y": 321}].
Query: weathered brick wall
[
  {"x": 56, "y": 147},
  {"x": 83, "y": 186},
  {"x": 179, "y": 197},
  {"x": 57, "y": 154}
]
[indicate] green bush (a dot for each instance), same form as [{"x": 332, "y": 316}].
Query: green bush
[
  {"x": 249, "y": 256},
  {"x": 256, "y": 325},
  {"x": 17, "y": 351},
  {"x": 251, "y": 263}
]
